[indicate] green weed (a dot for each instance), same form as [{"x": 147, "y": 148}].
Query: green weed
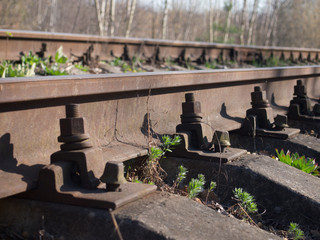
[
  {"x": 60, "y": 57},
  {"x": 7, "y": 69},
  {"x": 195, "y": 186},
  {"x": 151, "y": 171},
  {"x": 30, "y": 59},
  {"x": 271, "y": 62},
  {"x": 125, "y": 67},
  {"x": 295, "y": 232},
  {"x": 246, "y": 200},
  {"x": 182, "y": 174},
  {"x": 81, "y": 67},
  {"x": 211, "y": 65},
  {"x": 307, "y": 165},
  {"x": 53, "y": 70}
]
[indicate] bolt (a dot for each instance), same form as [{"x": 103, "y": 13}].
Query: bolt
[
  {"x": 189, "y": 97},
  {"x": 72, "y": 110},
  {"x": 299, "y": 83},
  {"x": 258, "y": 98},
  {"x": 299, "y": 89},
  {"x": 191, "y": 109},
  {"x": 257, "y": 89}
]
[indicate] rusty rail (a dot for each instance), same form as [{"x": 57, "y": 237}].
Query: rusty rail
[
  {"x": 12, "y": 42},
  {"x": 116, "y": 108}
]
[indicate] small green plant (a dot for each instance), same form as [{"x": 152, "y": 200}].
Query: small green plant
[
  {"x": 136, "y": 180},
  {"x": 295, "y": 232},
  {"x": 30, "y": 59},
  {"x": 182, "y": 174},
  {"x": 117, "y": 62},
  {"x": 271, "y": 62},
  {"x": 196, "y": 186},
  {"x": 169, "y": 62},
  {"x": 307, "y": 165},
  {"x": 246, "y": 200},
  {"x": 189, "y": 65},
  {"x": 81, "y": 67},
  {"x": 60, "y": 57},
  {"x": 53, "y": 70},
  {"x": 125, "y": 67},
  {"x": 7, "y": 69},
  {"x": 155, "y": 153},
  {"x": 151, "y": 170},
  {"x": 9, "y": 34},
  {"x": 212, "y": 186},
  {"x": 211, "y": 65},
  {"x": 169, "y": 143}
]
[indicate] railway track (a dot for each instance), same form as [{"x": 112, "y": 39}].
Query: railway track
[
  {"x": 116, "y": 108},
  {"x": 13, "y": 42},
  {"x": 111, "y": 117}
]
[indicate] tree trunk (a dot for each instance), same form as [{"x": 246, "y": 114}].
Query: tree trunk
[
  {"x": 165, "y": 20},
  {"x": 101, "y": 12},
  {"x": 211, "y": 21},
  {"x": 217, "y": 19},
  {"x": 107, "y": 16},
  {"x": 274, "y": 31},
  {"x": 188, "y": 21},
  {"x": 132, "y": 9},
  {"x": 272, "y": 23},
  {"x": 265, "y": 22},
  {"x": 244, "y": 20},
  {"x": 112, "y": 13},
  {"x": 76, "y": 17},
  {"x": 53, "y": 16},
  {"x": 128, "y": 8},
  {"x": 228, "y": 9},
  {"x": 252, "y": 21},
  {"x": 153, "y": 21},
  {"x": 39, "y": 15}
]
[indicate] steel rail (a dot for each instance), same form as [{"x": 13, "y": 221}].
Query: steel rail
[
  {"x": 15, "y": 90},
  {"x": 15, "y": 41},
  {"x": 116, "y": 107}
]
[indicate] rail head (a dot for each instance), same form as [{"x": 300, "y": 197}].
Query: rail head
[
  {"x": 45, "y": 36},
  {"x": 45, "y": 88}
]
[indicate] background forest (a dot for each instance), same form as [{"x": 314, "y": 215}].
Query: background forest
[{"x": 292, "y": 23}]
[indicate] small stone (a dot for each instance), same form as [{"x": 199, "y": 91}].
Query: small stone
[{"x": 197, "y": 200}]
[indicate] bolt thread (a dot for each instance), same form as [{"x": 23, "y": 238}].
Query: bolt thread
[
  {"x": 72, "y": 110},
  {"x": 257, "y": 89},
  {"x": 189, "y": 97}
]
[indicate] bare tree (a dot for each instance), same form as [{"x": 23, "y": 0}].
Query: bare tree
[
  {"x": 102, "y": 9},
  {"x": 165, "y": 20},
  {"x": 252, "y": 21},
  {"x": 132, "y": 9},
  {"x": 188, "y": 21},
  {"x": 77, "y": 15},
  {"x": 128, "y": 7},
  {"x": 210, "y": 21},
  {"x": 244, "y": 20},
  {"x": 217, "y": 19},
  {"x": 112, "y": 13},
  {"x": 53, "y": 15},
  {"x": 227, "y": 8}
]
